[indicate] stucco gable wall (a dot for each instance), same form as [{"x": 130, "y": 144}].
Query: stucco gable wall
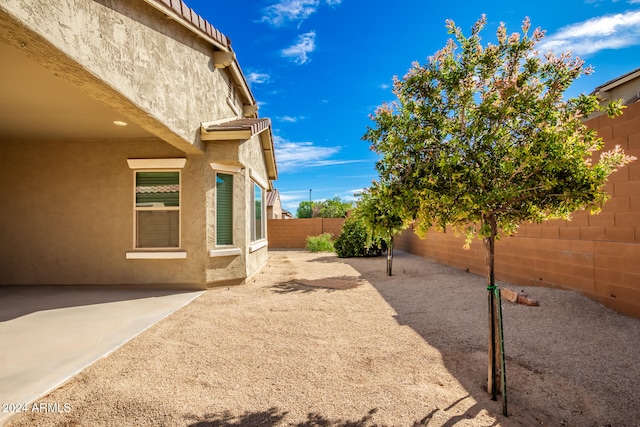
[
  {"x": 129, "y": 56},
  {"x": 251, "y": 155}
]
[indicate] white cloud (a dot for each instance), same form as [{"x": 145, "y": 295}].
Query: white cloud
[
  {"x": 304, "y": 45},
  {"x": 299, "y": 155},
  {"x": 258, "y": 78},
  {"x": 289, "y": 196},
  {"x": 337, "y": 162},
  {"x": 285, "y": 11},
  {"x": 384, "y": 86},
  {"x": 596, "y": 34},
  {"x": 290, "y": 119},
  {"x": 352, "y": 195},
  {"x": 289, "y": 11},
  {"x": 291, "y": 199},
  {"x": 292, "y": 155}
]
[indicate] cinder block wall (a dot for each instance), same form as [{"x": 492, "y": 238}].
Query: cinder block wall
[
  {"x": 292, "y": 233},
  {"x": 596, "y": 255}
]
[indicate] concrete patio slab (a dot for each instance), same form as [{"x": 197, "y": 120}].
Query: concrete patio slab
[{"x": 50, "y": 333}]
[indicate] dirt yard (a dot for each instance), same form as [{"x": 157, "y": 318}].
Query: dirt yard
[{"x": 314, "y": 340}]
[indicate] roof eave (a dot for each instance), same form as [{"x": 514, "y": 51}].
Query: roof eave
[
  {"x": 185, "y": 16},
  {"x": 266, "y": 138}
]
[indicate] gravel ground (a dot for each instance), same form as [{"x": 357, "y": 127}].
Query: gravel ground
[{"x": 314, "y": 340}]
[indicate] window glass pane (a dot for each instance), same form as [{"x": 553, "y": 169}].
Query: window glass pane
[
  {"x": 158, "y": 229},
  {"x": 257, "y": 192},
  {"x": 157, "y": 189},
  {"x": 224, "y": 209}
]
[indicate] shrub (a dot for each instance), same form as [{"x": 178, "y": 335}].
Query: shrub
[
  {"x": 356, "y": 241},
  {"x": 320, "y": 243}
]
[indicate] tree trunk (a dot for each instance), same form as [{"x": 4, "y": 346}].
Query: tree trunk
[
  {"x": 390, "y": 256},
  {"x": 496, "y": 375}
]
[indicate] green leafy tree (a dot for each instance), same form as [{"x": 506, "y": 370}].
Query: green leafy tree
[
  {"x": 481, "y": 139},
  {"x": 331, "y": 208},
  {"x": 305, "y": 210},
  {"x": 334, "y": 208},
  {"x": 383, "y": 215},
  {"x": 356, "y": 240}
]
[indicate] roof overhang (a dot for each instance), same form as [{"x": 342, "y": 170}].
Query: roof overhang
[
  {"x": 266, "y": 138},
  {"x": 242, "y": 130},
  {"x": 233, "y": 129},
  {"x": 188, "y": 18}
]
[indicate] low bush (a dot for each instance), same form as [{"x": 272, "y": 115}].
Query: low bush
[
  {"x": 356, "y": 241},
  {"x": 320, "y": 243}
]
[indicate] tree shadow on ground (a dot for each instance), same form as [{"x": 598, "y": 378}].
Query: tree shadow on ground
[
  {"x": 565, "y": 359},
  {"x": 273, "y": 417},
  {"x": 268, "y": 418},
  {"x": 325, "y": 257},
  {"x": 330, "y": 284},
  {"x": 430, "y": 309}
]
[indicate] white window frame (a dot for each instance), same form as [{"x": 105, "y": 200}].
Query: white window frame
[
  {"x": 233, "y": 249},
  {"x": 254, "y": 238},
  {"x": 157, "y": 165}
]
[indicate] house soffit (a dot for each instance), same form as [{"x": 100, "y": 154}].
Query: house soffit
[
  {"x": 233, "y": 130},
  {"x": 36, "y": 104}
]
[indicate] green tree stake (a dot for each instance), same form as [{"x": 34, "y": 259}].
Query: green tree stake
[{"x": 503, "y": 370}]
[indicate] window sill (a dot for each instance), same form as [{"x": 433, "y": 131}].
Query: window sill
[
  {"x": 225, "y": 252},
  {"x": 157, "y": 255},
  {"x": 258, "y": 245}
]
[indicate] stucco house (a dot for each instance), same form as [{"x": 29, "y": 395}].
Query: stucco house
[
  {"x": 131, "y": 151},
  {"x": 625, "y": 87},
  {"x": 274, "y": 205}
]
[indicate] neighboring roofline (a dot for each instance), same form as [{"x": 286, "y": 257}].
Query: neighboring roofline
[
  {"x": 188, "y": 18},
  {"x": 611, "y": 84},
  {"x": 272, "y": 197}
]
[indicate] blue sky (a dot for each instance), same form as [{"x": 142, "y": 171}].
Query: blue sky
[{"x": 319, "y": 68}]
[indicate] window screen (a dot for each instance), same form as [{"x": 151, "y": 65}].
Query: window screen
[
  {"x": 224, "y": 209},
  {"x": 157, "y": 208}
]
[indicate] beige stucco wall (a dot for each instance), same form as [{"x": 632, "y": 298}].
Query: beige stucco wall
[
  {"x": 67, "y": 215},
  {"x": 129, "y": 56}
]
